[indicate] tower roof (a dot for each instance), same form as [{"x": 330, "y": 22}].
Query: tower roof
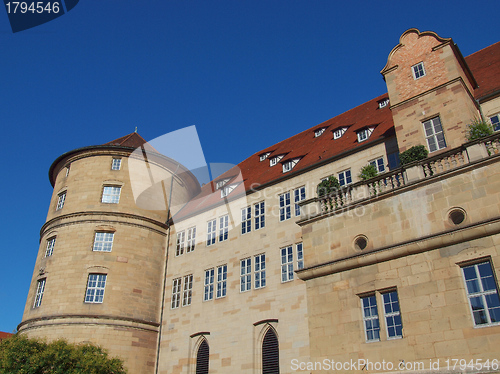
[{"x": 132, "y": 140}]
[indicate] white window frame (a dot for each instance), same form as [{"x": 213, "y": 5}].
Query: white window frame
[
  {"x": 208, "y": 285},
  {"x": 223, "y": 228},
  {"x": 180, "y": 243},
  {"x": 96, "y": 285},
  {"x": 274, "y": 160},
  {"x": 111, "y": 194},
  {"x": 379, "y": 164},
  {"x": 221, "y": 289},
  {"x": 67, "y": 170},
  {"x": 263, "y": 156},
  {"x": 290, "y": 164},
  {"x": 432, "y": 136},
  {"x": 392, "y": 311},
  {"x": 383, "y": 103},
  {"x": 364, "y": 134},
  {"x": 345, "y": 177},
  {"x": 260, "y": 271},
  {"x": 176, "y": 293},
  {"x": 299, "y": 248},
  {"x": 495, "y": 122},
  {"x": 103, "y": 241},
  {"x": 370, "y": 316},
  {"x": 418, "y": 70},
  {"x": 246, "y": 220},
  {"x": 226, "y": 190},
  {"x": 40, "y": 289},
  {"x": 285, "y": 206},
  {"x": 260, "y": 215},
  {"x": 187, "y": 290},
  {"x": 286, "y": 264},
  {"x": 116, "y": 164},
  {"x": 221, "y": 183},
  {"x": 51, "y": 242},
  {"x": 319, "y": 132},
  {"x": 211, "y": 231},
  {"x": 246, "y": 274},
  {"x": 299, "y": 194},
  {"x": 480, "y": 293},
  {"x": 61, "y": 198},
  {"x": 191, "y": 239},
  {"x": 337, "y": 134}
]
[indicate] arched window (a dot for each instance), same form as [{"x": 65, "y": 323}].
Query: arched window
[
  {"x": 202, "y": 358},
  {"x": 270, "y": 353}
]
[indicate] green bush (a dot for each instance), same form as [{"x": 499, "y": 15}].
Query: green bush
[
  {"x": 327, "y": 186},
  {"x": 415, "y": 153},
  {"x": 478, "y": 129},
  {"x": 367, "y": 172}
]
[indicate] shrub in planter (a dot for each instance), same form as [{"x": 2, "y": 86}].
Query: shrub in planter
[
  {"x": 478, "y": 129},
  {"x": 415, "y": 153},
  {"x": 327, "y": 187},
  {"x": 367, "y": 172}
]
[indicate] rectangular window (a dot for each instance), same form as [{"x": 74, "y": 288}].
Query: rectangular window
[
  {"x": 379, "y": 164},
  {"x": 495, "y": 122},
  {"x": 211, "y": 232},
  {"x": 300, "y": 194},
  {"x": 394, "y": 161},
  {"x": 418, "y": 70},
  {"x": 95, "y": 288},
  {"x": 116, "y": 164},
  {"x": 362, "y": 135},
  {"x": 285, "y": 209},
  {"x": 191, "y": 239},
  {"x": 287, "y": 264},
  {"x": 176, "y": 293},
  {"x": 181, "y": 241},
  {"x": 60, "y": 200},
  {"x": 50, "y": 246},
  {"x": 187, "y": 290},
  {"x": 392, "y": 315},
  {"x": 370, "y": 318},
  {"x": 40, "y": 287},
  {"x": 246, "y": 220},
  {"x": 245, "y": 274},
  {"x": 337, "y": 134},
  {"x": 260, "y": 217},
  {"x": 67, "y": 169},
  {"x": 260, "y": 271},
  {"x": 223, "y": 227},
  {"x": 345, "y": 177},
  {"x": 208, "y": 293},
  {"x": 103, "y": 241},
  {"x": 482, "y": 292},
  {"x": 111, "y": 194},
  {"x": 221, "y": 281},
  {"x": 300, "y": 256},
  {"x": 434, "y": 134}
]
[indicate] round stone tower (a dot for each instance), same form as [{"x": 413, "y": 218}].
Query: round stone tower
[{"x": 100, "y": 267}]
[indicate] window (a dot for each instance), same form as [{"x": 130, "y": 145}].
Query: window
[
  {"x": 270, "y": 353},
  {"x": 176, "y": 293},
  {"x": 260, "y": 217},
  {"x": 95, "y": 288},
  {"x": 418, "y": 70},
  {"x": 273, "y": 161},
  {"x": 299, "y": 194},
  {"x": 191, "y": 239},
  {"x": 260, "y": 271},
  {"x": 319, "y": 132},
  {"x": 370, "y": 318},
  {"x": 434, "y": 134},
  {"x": 116, "y": 164},
  {"x": 393, "y": 325},
  {"x": 223, "y": 227},
  {"x": 187, "y": 290},
  {"x": 379, "y": 164},
  {"x": 337, "y": 134},
  {"x": 221, "y": 183},
  {"x": 211, "y": 232},
  {"x": 221, "y": 281},
  {"x": 67, "y": 169},
  {"x": 300, "y": 256},
  {"x": 60, "y": 200},
  {"x": 103, "y": 241},
  {"x": 285, "y": 210},
  {"x": 50, "y": 246},
  {"x": 246, "y": 220},
  {"x": 111, "y": 194},
  {"x": 245, "y": 274},
  {"x": 289, "y": 165},
  {"x": 40, "y": 287},
  {"x": 287, "y": 264},
  {"x": 208, "y": 293},
  {"x": 394, "y": 161},
  {"x": 179, "y": 248},
  {"x": 202, "y": 358},
  {"x": 364, "y": 134},
  {"x": 227, "y": 190},
  {"x": 345, "y": 177},
  {"x": 383, "y": 103},
  {"x": 263, "y": 156},
  {"x": 495, "y": 122},
  {"x": 482, "y": 292}
]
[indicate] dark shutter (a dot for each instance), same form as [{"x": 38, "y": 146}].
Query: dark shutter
[
  {"x": 270, "y": 353},
  {"x": 202, "y": 358}
]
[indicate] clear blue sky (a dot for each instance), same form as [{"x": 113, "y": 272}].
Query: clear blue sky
[{"x": 247, "y": 73}]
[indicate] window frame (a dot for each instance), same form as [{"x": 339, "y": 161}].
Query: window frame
[
  {"x": 221, "y": 284},
  {"x": 104, "y": 242},
  {"x": 61, "y": 199},
  {"x": 208, "y": 284},
  {"x": 260, "y": 272},
  {"x": 299, "y": 194},
  {"x": 339, "y": 132},
  {"x": 392, "y": 315},
  {"x": 110, "y": 194},
  {"x": 299, "y": 250},
  {"x": 49, "y": 249},
  {"x": 116, "y": 163},
  {"x": 187, "y": 290},
  {"x": 495, "y": 121},
  {"x": 435, "y": 135},
  {"x": 175, "y": 302},
  {"x": 40, "y": 289},
  {"x": 245, "y": 274},
  {"x": 285, "y": 206},
  {"x": 286, "y": 255},
  {"x": 344, "y": 177},
  {"x": 211, "y": 232},
  {"x": 260, "y": 215},
  {"x": 379, "y": 164},
  {"x": 180, "y": 243},
  {"x": 97, "y": 297},
  {"x": 223, "y": 228},
  {"x": 370, "y": 318},
  {"x": 190, "y": 239},
  {"x": 418, "y": 70},
  {"x": 246, "y": 220}
]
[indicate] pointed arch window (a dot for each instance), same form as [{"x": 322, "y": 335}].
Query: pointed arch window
[
  {"x": 202, "y": 359},
  {"x": 270, "y": 353}
]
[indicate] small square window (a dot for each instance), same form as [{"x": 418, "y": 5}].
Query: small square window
[
  {"x": 61, "y": 198},
  {"x": 274, "y": 160},
  {"x": 495, "y": 122},
  {"x": 116, "y": 164},
  {"x": 111, "y": 194},
  {"x": 103, "y": 241},
  {"x": 363, "y": 135},
  {"x": 319, "y": 132},
  {"x": 337, "y": 134},
  {"x": 418, "y": 70}
]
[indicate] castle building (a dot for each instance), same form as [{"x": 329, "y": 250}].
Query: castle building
[{"x": 255, "y": 273}]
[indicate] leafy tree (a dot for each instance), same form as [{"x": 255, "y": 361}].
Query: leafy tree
[
  {"x": 367, "y": 172},
  {"x": 415, "y": 153},
  {"x": 21, "y": 355},
  {"x": 478, "y": 129}
]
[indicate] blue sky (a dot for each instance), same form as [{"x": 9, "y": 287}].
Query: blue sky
[{"x": 247, "y": 73}]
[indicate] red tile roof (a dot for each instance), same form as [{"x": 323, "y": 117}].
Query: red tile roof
[
  {"x": 133, "y": 140},
  {"x": 484, "y": 64},
  {"x": 5, "y": 335}
]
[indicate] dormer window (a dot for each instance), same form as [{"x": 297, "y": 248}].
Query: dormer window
[
  {"x": 337, "y": 134},
  {"x": 383, "y": 103},
  {"x": 227, "y": 190},
  {"x": 264, "y": 156},
  {"x": 273, "y": 161},
  {"x": 289, "y": 165},
  {"x": 418, "y": 70},
  {"x": 221, "y": 183},
  {"x": 364, "y": 134},
  {"x": 319, "y": 132}
]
